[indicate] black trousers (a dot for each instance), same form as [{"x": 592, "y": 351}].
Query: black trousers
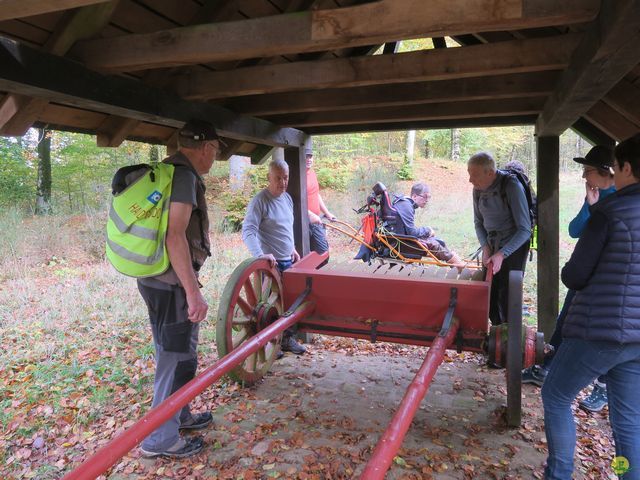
[
  {"x": 318, "y": 238},
  {"x": 500, "y": 285}
]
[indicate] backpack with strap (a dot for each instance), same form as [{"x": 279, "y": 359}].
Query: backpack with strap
[
  {"x": 529, "y": 193},
  {"x": 139, "y": 218}
]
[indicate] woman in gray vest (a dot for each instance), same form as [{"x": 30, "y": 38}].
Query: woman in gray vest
[{"x": 601, "y": 334}]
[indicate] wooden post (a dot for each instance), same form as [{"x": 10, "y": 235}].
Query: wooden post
[
  {"x": 298, "y": 190},
  {"x": 548, "y": 233},
  {"x": 296, "y": 160}
]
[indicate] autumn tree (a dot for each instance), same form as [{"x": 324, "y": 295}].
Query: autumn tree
[{"x": 43, "y": 184}]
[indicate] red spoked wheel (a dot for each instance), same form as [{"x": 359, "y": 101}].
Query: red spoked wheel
[{"x": 251, "y": 300}]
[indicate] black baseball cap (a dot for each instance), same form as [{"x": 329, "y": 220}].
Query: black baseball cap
[
  {"x": 199, "y": 130},
  {"x": 599, "y": 157}
]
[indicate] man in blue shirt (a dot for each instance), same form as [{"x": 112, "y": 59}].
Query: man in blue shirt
[{"x": 406, "y": 209}]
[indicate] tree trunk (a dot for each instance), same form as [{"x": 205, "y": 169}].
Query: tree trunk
[
  {"x": 43, "y": 187},
  {"x": 577, "y": 154},
  {"x": 411, "y": 143},
  {"x": 455, "y": 144},
  {"x": 238, "y": 166},
  {"x": 154, "y": 154}
]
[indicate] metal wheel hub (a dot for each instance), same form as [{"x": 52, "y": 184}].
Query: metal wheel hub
[{"x": 265, "y": 314}]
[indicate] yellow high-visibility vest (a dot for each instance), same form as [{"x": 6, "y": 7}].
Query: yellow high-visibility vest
[{"x": 138, "y": 221}]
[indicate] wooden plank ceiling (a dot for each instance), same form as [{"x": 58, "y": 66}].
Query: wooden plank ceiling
[{"x": 257, "y": 67}]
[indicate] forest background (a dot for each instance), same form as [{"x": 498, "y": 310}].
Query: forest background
[{"x": 76, "y": 361}]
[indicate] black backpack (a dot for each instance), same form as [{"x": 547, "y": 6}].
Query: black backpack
[{"x": 529, "y": 192}]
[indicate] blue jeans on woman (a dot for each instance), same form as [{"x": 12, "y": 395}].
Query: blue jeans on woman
[
  {"x": 576, "y": 364},
  {"x": 556, "y": 338}
]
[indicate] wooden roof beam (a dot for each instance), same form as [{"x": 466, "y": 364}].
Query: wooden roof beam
[
  {"x": 625, "y": 99},
  {"x": 607, "y": 52},
  {"x": 424, "y": 125},
  {"x": 434, "y": 111},
  {"x": 518, "y": 85},
  {"x": 116, "y": 129},
  {"x": 593, "y": 134},
  {"x": 81, "y": 23},
  {"x": 10, "y": 9},
  {"x": 27, "y": 71},
  {"x": 326, "y": 30},
  {"x": 611, "y": 122},
  {"x": 517, "y": 56}
]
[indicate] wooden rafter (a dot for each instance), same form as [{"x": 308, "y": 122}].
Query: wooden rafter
[
  {"x": 610, "y": 121},
  {"x": 116, "y": 129},
  {"x": 325, "y": 30},
  {"x": 592, "y": 133},
  {"x": 25, "y": 8},
  {"x": 424, "y": 125},
  {"x": 607, "y": 52},
  {"x": 532, "y": 55},
  {"x": 519, "y": 85},
  {"x": 434, "y": 111},
  {"x": 625, "y": 99},
  {"x": 27, "y": 71},
  {"x": 20, "y": 113}
]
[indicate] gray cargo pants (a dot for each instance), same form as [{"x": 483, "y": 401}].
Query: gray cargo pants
[{"x": 175, "y": 340}]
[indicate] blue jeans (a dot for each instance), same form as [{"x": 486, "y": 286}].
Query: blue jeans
[
  {"x": 283, "y": 265},
  {"x": 556, "y": 338},
  {"x": 576, "y": 364}
]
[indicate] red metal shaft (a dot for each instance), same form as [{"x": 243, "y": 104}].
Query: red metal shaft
[
  {"x": 390, "y": 442},
  {"x": 113, "y": 451}
]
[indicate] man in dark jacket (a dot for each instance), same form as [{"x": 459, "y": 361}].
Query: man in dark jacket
[
  {"x": 601, "y": 333},
  {"x": 406, "y": 209}
]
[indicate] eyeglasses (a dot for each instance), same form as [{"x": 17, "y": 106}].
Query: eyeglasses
[{"x": 425, "y": 196}]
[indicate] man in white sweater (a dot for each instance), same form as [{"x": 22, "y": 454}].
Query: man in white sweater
[{"x": 267, "y": 231}]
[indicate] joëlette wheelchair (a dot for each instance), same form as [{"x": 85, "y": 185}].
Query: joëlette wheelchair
[{"x": 379, "y": 238}]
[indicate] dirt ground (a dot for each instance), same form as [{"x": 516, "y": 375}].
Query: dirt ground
[{"x": 319, "y": 416}]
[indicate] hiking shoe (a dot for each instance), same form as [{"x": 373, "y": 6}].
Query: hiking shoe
[
  {"x": 596, "y": 401},
  {"x": 197, "y": 421},
  {"x": 183, "y": 448},
  {"x": 534, "y": 374},
  {"x": 289, "y": 344}
]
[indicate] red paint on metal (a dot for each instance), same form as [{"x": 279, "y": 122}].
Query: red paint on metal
[
  {"x": 388, "y": 296},
  {"x": 113, "y": 451},
  {"x": 529, "y": 357},
  {"x": 387, "y": 332},
  {"x": 391, "y": 440}
]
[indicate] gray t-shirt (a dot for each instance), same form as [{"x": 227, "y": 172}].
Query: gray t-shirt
[
  {"x": 183, "y": 190},
  {"x": 268, "y": 225}
]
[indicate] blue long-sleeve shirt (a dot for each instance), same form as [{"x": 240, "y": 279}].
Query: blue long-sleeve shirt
[
  {"x": 406, "y": 208},
  {"x": 576, "y": 226}
]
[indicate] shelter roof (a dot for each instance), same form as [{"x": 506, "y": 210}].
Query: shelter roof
[{"x": 268, "y": 72}]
